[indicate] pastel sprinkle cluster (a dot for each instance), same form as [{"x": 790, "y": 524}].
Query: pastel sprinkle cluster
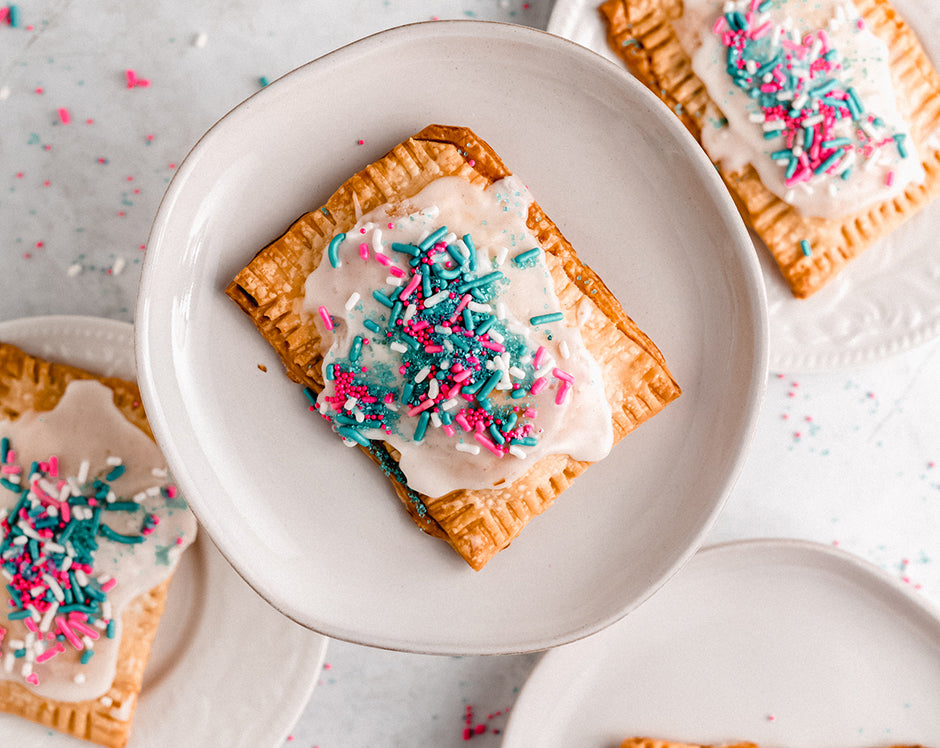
[
  {"x": 798, "y": 85},
  {"x": 461, "y": 367},
  {"x": 47, "y": 556}
]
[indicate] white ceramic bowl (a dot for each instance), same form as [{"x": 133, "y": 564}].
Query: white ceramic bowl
[{"x": 313, "y": 526}]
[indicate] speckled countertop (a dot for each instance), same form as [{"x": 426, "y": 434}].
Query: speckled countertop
[{"x": 101, "y": 100}]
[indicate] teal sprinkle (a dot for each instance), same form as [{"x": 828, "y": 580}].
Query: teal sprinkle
[
  {"x": 118, "y": 537},
  {"x": 406, "y": 393},
  {"x": 846, "y": 174},
  {"x": 263, "y": 80},
  {"x": 456, "y": 254},
  {"x": 483, "y": 280},
  {"x": 422, "y": 426},
  {"x": 116, "y": 472},
  {"x": 468, "y": 319},
  {"x": 833, "y": 158},
  {"x": 510, "y": 421},
  {"x": 8, "y": 484},
  {"x": 433, "y": 239},
  {"x": 497, "y": 436},
  {"x": 806, "y": 248},
  {"x": 370, "y": 325},
  {"x": 544, "y": 319},
  {"x": 397, "y": 308},
  {"x": 18, "y": 615},
  {"x": 348, "y": 432},
  {"x": 86, "y": 656},
  {"x": 4, "y": 448},
  {"x": 407, "y": 249},
  {"x": 518, "y": 394},
  {"x": 333, "y": 249},
  {"x": 899, "y": 141},
  {"x": 792, "y": 167},
  {"x": 485, "y": 325},
  {"x": 836, "y": 143},
  {"x": 356, "y": 349},
  {"x": 525, "y": 441},
  {"x": 13, "y": 16},
  {"x": 781, "y": 154},
  {"x": 382, "y": 299},
  {"x": 109, "y": 631},
  {"x": 808, "y": 134},
  {"x": 489, "y": 385},
  {"x": 524, "y": 257},
  {"x": 468, "y": 240}
]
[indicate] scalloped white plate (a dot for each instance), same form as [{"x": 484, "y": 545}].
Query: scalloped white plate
[
  {"x": 315, "y": 527},
  {"x": 886, "y": 301},
  {"x": 779, "y": 642},
  {"x": 225, "y": 668}
]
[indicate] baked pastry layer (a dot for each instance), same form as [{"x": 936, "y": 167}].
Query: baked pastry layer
[
  {"x": 642, "y": 34},
  {"x": 29, "y": 383},
  {"x": 270, "y": 289}
]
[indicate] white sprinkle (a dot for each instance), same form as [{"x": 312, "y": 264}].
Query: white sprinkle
[
  {"x": 434, "y": 388},
  {"x": 501, "y": 255},
  {"x": 118, "y": 266},
  {"x": 74, "y": 270},
  {"x": 200, "y": 39},
  {"x": 88, "y": 642},
  {"x": 500, "y": 312},
  {"x": 450, "y": 238},
  {"x": 159, "y": 472},
  {"x": 757, "y": 116},
  {"x": 8, "y": 661},
  {"x": 563, "y": 349},
  {"x": 495, "y": 336},
  {"x": 441, "y": 330},
  {"x": 48, "y": 616},
  {"x": 516, "y": 451},
  {"x": 410, "y": 311},
  {"x": 436, "y": 298},
  {"x": 476, "y": 306},
  {"x": 422, "y": 374},
  {"x": 113, "y": 460},
  {"x": 106, "y": 701},
  {"x": 516, "y": 372},
  {"x": 377, "y": 241},
  {"x": 83, "y": 471},
  {"x": 473, "y": 449},
  {"x": 4, "y": 93},
  {"x": 350, "y": 403},
  {"x": 435, "y": 420},
  {"x": 391, "y": 280},
  {"x": 79, "y": 678},
  {"x": 449, "y": 404},
  {"x": 398, "y": 347},
  {"x": 352, "y": 300}
]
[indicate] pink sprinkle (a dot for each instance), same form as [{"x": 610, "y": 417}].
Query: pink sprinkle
[
  {"x": 562, "y": 393},
  {"x": 538, "y": 385},
  {"x": 409, "y": 289},
  {"x": 719, "y": 25},
  {"x": 64, "y": 116},
  {"x": 382, "y": 259},
  {"x": 49, "y": 653},
  {"x": 539, "y": 355},
  {"x": 109, "y": 585},
  {"x": 31, "y": 625},
  {"x": 433, "y": 349},
  {"x": 396, "y": 271},
  {"x": 462, "y": 421},
  {"x": 131, "y": 77},
  {"x": 860, "y": 23},
  {"x": 327, "y": 320},
  {"x": 54, "y": 466},
  {"x": 561, "y": 374},
  {"x": 33, "y": 678},
  {"x": 421, "y": 407},
  {"x": 361, "y": 142},
  {"x": 448, "y": 429},
  {"x": 890, "y": 179},
  {"x": 488, "y": 443},
  {"x": 83, "y": 629},
  {"x": 171, "y": 492},
  {"x": 493, "y": 346},
  {"x": 68, "y": 633},
  {"x": 364, "y": 251}
]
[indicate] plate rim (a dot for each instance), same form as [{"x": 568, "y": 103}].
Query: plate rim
[
  {"x": 755, "y": 298},
  {"x": 866, "y": 570},
  {"x": 90, "y": 324}
]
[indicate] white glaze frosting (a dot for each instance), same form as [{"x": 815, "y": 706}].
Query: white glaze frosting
[
  {"x": 86, "y": 426},
  {"x": 495, "y": 218},
  {"x": 806, "y": 30}
]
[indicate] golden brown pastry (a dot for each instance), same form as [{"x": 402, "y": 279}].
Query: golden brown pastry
[
  {"x": 817, "y": 169},
  {"x": 445, "y": 171},
  {"x": 89, "y": 536}
]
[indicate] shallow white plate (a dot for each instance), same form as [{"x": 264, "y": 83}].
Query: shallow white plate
[
  {"x": 315, "y": 526},
  {"x": 886, "y": 301},
  {"x": 784, "y": 643},
  {"x": 225, "y": 668}
]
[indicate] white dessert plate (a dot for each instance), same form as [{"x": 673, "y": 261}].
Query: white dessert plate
[
  {"x": 314, "y": 526},
  {"x": 885, "y": 302},
  {"x": 225, "y": 668},
  {"x": 783, "y": 643}
]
